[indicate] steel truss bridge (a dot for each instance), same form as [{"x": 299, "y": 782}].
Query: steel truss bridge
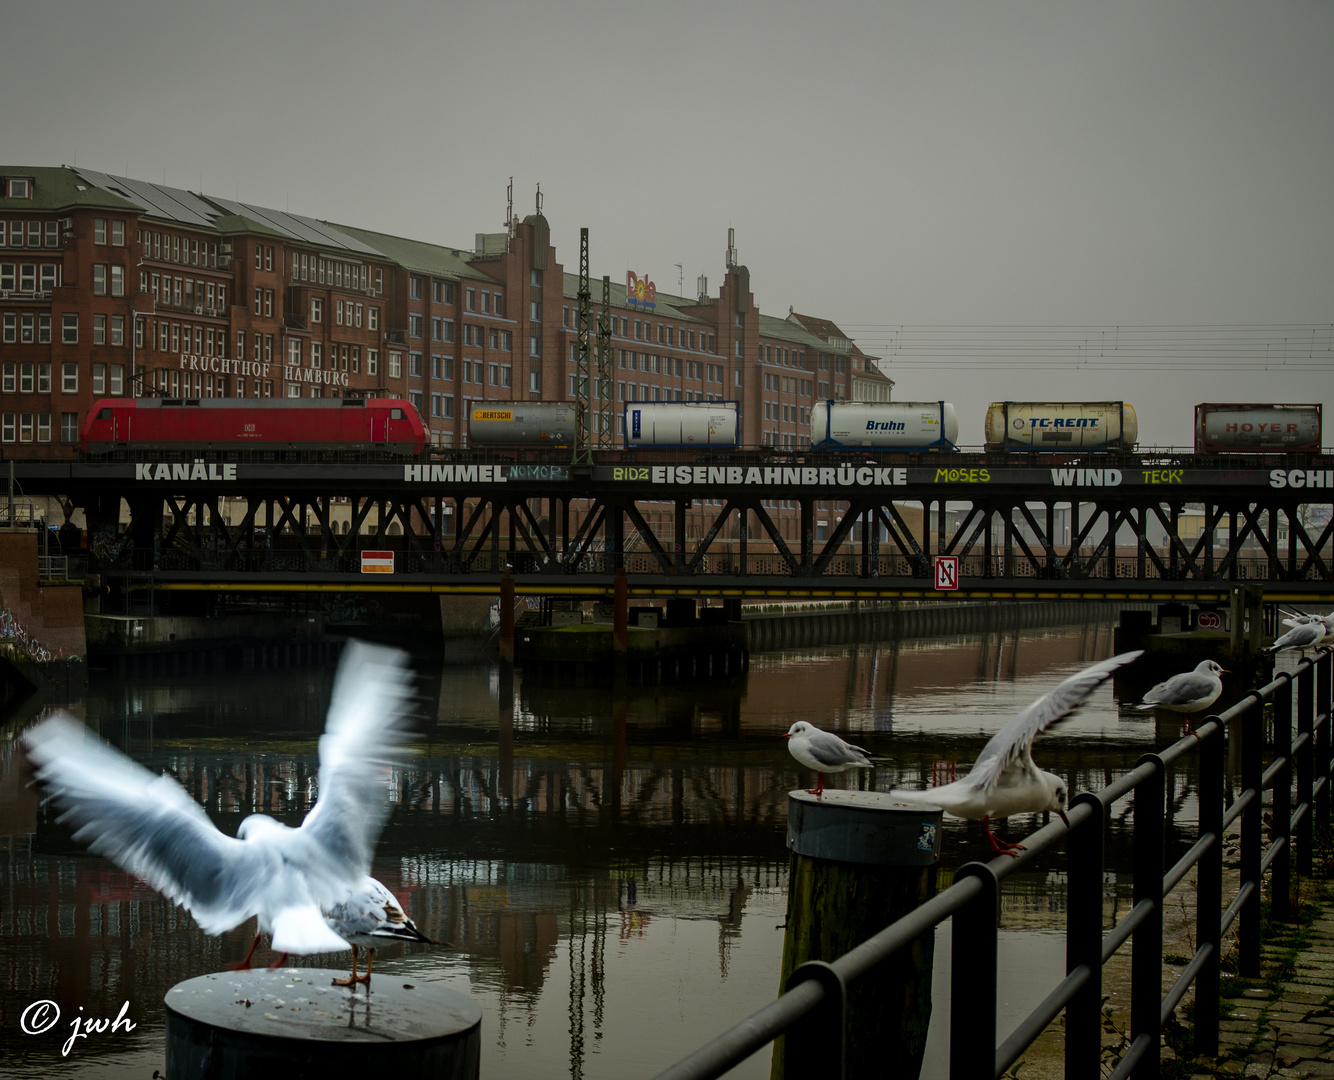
[{"x": 1114, "y": 527}]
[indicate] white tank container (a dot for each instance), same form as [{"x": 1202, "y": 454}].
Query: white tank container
[
  {"x": 885, "y": 425},
  {"x": 1233, "y": 426},
  {"x": 1061, "y": 425},
  {"x": 682, "y": 423},
  {"x": 521, "y": 423}
]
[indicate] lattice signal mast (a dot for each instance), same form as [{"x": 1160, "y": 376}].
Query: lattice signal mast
[
  {"x": 605, "y": 429},
  {"x": 583, "y": 448}
]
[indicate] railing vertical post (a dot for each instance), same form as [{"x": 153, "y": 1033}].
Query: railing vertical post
[
  {"x": 1252, "y": 728},
  {"x": 1323, "y": 667},
  {"x": 818, "y": 1042},
  {"x": 1280, "y": 879},
  {"x": 973, "y": 980},
  {"x": 1083, "y": 940},
  {"x": 1146, "y": 958},
  {"x": 1209, "y": 892},
  {"x": 1305, "y": 764}
]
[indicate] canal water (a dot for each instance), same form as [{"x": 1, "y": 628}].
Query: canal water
[{"x": 607, "y": 873}]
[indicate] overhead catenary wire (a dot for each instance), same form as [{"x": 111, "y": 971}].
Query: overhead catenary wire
[{"x": 1291, "y": 347}]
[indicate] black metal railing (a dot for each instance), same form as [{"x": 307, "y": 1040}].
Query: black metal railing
[{"x": 811, "y": 1014}]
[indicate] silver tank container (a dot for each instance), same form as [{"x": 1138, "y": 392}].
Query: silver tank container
[
  {"x": 885, "y": 425},
  {"x": 521, "y": 423},
  {"x": 682, "y": 423}
]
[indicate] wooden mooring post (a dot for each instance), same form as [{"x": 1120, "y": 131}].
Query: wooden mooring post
[
  {"x": 860, "y": 861},
  {"x": 295, "y": 1024}
]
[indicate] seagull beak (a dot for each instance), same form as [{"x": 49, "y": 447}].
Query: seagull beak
[
  {"x": 787, "y": 734},
  {"x": 1064, "y": 818}
]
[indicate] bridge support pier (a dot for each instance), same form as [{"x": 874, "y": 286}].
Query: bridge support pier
[{"x": 1247, "y": 602}]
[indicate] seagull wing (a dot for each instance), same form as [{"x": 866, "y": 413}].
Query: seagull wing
[
  {"x": 1013, "y": 744},
  {"x": 366, "y": 731},
  {"x": 831, "y": 751},
  {"x": 1182, "y": 689},
  {"x": 145, "y": 824}
]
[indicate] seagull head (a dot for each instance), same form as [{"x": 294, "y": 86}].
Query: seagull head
[
  {"x": 1056, "y": 789},
  {"x": 1210, "y": 667},
  {"x": 799, "y": 728},
  {"x": 258, "y": 824}
]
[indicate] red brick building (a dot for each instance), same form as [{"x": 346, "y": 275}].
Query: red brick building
[{"x": 113, "y": 287}]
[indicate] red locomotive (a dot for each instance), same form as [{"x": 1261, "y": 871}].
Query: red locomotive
[{"x": 377, "y": 425}]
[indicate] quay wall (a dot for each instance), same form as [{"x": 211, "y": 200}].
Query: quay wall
[{"x": 788, "y": 626}]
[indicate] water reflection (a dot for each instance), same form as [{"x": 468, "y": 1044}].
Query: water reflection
[{"x": 609, "y": 871}]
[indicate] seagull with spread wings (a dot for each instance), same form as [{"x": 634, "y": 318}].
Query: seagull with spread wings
[
  {"x": 310, "y": 886},
  {"x": 1004, "y": 779}
]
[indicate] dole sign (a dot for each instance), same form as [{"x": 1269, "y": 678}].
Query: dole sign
[{"x": 640, "y": 292}]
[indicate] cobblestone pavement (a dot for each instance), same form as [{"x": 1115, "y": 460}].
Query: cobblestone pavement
[{"x": 1282, "y": 1024}]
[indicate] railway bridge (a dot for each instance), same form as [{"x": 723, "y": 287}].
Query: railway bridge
[{"x": 1167, "y": 526}]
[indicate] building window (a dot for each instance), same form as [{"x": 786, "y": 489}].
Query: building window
[
  {"x": 415, "y": 287},
  {"x": 535, "y": 345},
  {"x": 99, "y": 279},
  {"x": 414, "y": 326},
  {"x": 395, "y": 364},
  {"x": 69, "y": 427},
  {"x": 372, "y": 361},
  {"x": 69, "y": 378},
  {"x": 69, "y": 328},
  {"x": 316, "y": 309}
]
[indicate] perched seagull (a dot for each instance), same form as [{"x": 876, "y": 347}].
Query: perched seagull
[
  {"x": 1301, "y": 618},
  {"x": 824, "y": 752},
  {"x": 370, "y": 916},
  {"x": 310, "y": 886},
  {"x": 1303, "y": 636},
  {"x": 1187, "y": 693},
  {"x": 1003, "y": 779}
]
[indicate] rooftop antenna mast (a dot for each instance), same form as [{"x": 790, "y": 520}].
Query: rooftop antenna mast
[
  {"x": 539, "y": 198},
  {"x": 680, "y": 279},
  {"x": 509, "y": 209}
]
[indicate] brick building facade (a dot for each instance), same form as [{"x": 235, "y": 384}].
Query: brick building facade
[{"x": 111, "y": 286}]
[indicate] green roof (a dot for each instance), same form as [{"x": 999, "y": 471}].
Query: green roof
[
  {"x": 418, "y": 256},
  {"x": 60, "y": 188}
]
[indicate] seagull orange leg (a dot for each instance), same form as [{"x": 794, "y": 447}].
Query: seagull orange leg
[
  {"x": 999, "y": 846},
  {"x": 278, "y": 963},
  {"x": 352, "y": 979},
  {"x": 819, "y": 785},
  {"x": 244, "y": 965}
]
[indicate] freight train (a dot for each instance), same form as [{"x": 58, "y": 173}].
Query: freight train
[{"x": 392, "y": 427}]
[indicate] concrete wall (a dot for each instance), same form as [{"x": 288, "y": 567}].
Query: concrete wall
[{"x": 50, "y": 614}]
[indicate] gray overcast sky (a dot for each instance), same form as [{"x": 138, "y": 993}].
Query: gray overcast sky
[{"x": 905, "y": 169}]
